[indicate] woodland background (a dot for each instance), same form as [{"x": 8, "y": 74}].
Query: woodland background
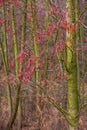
[{"x": 43, "y": 64}]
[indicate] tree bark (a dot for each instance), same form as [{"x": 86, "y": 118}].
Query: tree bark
[{"x": 73, "y": 96}]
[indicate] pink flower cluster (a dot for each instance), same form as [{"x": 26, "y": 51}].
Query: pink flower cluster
[{"x": 28, "y": 66}]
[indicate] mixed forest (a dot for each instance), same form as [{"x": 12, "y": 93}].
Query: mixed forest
[{"x": 43, "y": 65}]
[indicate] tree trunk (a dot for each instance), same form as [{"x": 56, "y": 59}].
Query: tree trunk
[
  {"x": 5, "y": 61},
  {"x": 73, "y": 97}
]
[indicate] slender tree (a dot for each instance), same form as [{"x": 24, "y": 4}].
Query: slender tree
[
  {"x": 22, "y": 49},
  {"x": 4, "y": 49},
  {"x": 15, "y": 42},
  {"x": 73, "y": 97},
  {"x": 48, "y": 38}
]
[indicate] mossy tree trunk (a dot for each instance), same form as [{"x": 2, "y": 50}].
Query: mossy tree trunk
[
  {"x": 4, "y": 49},
  {"x": 73, "y": 96},
  {"x": 15, "y": 44},
  {"x": 48, "y": 38}
]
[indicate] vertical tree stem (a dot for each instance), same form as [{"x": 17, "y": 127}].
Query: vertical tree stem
[
  {"x": 16, "y": 103},
  {"x": 5, "y": 61},
  {"x": 47, "y": 44},
  {"x": 73, "y": 97}
]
